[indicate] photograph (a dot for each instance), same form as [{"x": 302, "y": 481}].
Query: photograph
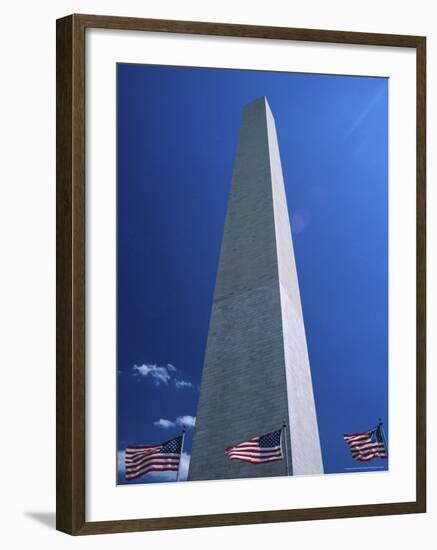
[{"x": 252, "y": 274}]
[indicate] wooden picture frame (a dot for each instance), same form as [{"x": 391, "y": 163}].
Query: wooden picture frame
[{"x": 71, "y": 280}]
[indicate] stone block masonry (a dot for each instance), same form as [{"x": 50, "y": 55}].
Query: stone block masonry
[{"x": 256, "y": 371}]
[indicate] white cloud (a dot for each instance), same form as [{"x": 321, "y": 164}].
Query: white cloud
[
  {"x": 159, "y": 374},
  {"x": 163, "y": 476},
  {"x": 186, "y": 420},
  {"x": 182, "y": 384},
  {"x": 164, "y": 423},
  {"x": 120, "y": 463},
  {"x": 185, "y": 463}
]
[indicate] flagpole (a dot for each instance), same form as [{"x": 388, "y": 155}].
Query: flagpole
[
  {"x": 284, "y": 438},
  {"x": 381, "y": 427},
  {"x": 180, "y": 458}
]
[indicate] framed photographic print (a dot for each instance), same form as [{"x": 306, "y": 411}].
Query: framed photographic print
[{"x": 240, "y": 274}]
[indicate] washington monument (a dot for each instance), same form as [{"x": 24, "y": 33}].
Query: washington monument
[{"x": 256, "y": 373}]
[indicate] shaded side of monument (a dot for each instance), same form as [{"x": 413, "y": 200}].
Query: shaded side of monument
[{"x": 256, "y": 372}]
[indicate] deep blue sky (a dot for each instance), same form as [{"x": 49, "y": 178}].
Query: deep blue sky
[{"x": 177, "y": 131}]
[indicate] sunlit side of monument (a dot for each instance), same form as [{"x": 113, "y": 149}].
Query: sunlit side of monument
[{"x": 256, "y": 372}]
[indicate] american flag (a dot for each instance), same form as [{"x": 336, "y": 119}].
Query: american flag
[
  {"x": 367, "y": 445},
  {"x": 265, "y": 448},
  {"x": 142, "y": 459}
]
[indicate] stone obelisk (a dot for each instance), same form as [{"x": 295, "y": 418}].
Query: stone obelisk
[{"x": 256, "y": 372}]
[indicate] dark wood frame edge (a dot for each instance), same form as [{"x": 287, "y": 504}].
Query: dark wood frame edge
[{"x": 70, "y": 274}]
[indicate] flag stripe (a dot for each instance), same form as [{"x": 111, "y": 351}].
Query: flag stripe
[
  {"x": 254, "y": 461},
  {"x": 353, "y": 436},
  {"x": 265, "y": 448},
  {"x": 368, "y": 449},
  {"x": 255, "y": 457},
  {"x": 157, "y": 456},
  {"x": 154, "y": 461},
  {"x": 366, "y": 459},
  {"x": 255, "y": 454},
  {"x": 133, "y": 458},
  {"x": 142, "y": 451},
  {"x": 142, "y": 459},
  {"x": 152, "y": 469},
  {"x": 141, "y": 447},
  {"x": 365, "y": 446}
]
